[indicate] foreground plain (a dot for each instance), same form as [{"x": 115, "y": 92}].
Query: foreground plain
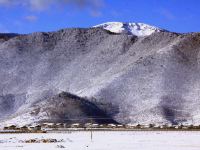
[{"x": 108, "y": 140}]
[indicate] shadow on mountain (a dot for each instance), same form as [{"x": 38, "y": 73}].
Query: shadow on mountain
[
  {"x": 171, "y": 108},
  {"x": 69, "y": 108},
  {"x": 7, "y": 103}
]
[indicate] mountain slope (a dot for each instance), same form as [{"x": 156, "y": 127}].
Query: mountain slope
[
  {"x": 62, "y": 108},
  {"x": 145, "y": 79}
]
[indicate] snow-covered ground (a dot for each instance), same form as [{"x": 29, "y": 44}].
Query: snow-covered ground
[{"x": 105, "y": 141}]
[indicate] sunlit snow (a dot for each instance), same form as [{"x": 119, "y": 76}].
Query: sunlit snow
[{"x": 138, "y": 29}]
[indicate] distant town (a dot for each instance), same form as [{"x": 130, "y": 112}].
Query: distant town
[{"x": 65, "y": 127}]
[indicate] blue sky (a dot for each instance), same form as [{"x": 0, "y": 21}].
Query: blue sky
[{"x": 26, "y": 16}]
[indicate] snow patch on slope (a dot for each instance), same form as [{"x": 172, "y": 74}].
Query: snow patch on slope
[
  {"x": 137, "y": 29},
  {"x": 24, "y": 119}
]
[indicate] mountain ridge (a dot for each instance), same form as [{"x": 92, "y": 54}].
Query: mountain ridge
[
  {"x": 148, "y": 79},
  {"x": 137, "y": 29}
]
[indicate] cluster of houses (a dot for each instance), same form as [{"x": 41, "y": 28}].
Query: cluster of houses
[
  {"x": 45, "y": 126},
  {"x": 78, "y": 125},
  {"x": 164, "y": 126},
  {"x": 24, "y": 129}
]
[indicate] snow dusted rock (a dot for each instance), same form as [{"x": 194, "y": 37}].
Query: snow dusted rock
[
  {"x": 145, "y": 79},
  {"x": 64, "y": 107},
  {"x": 137, "y": 29}
]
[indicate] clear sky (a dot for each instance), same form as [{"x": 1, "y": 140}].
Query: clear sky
[{"x": 25, "y": 16}]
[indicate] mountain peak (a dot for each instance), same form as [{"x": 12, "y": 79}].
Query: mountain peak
[{"x": 137, "y": 29}]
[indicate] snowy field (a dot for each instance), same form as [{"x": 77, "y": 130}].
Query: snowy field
[{"x": 105, "y": 141}]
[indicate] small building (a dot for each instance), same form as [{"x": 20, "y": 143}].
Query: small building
[
  {"x": 50, "y": 125},
  {"x": 196, "y": 127},
  {"x": 151, "y": 125},
  {"x": 156, "y": 126},
  {"x": 145, "y": 126},
  {"x": 6, "y": 128},
  {"x": 162, "y": 126},
  {"x": 176, "y": 127},
  {"x": 111, "y": 125},
  {"x": 120, "y": 126},
  {"x": 44, "y": 125},
  {"x": 66, "y": 125},
  {"x": 75, "y": 125},
  {"x": 169, "y": 125},
  {"x": 185, "y": 127},
  {"x": 138, "y": 126},
  {"x": 24, "y": 128},
  {"x": 38, "y": 127},
  {"x": 32, "y": 128},
  {"x": 87, "y": 125},
  {"x": 35, "y": 128},
  {"x": 130, "y": 126},
  {"x": 95, "y": 125},
  {"x": 181, "y": 126},
  {"x": 12, "y": 127},
  {"x": 60, "y": 125},
  {"x": 103, "y": 126}
]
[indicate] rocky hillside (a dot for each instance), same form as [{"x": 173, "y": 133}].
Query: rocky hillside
[
  {"x": 62, "y": 108},
  {"x": 131, "y": 79}
]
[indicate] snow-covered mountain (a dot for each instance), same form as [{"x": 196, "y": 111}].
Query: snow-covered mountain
[
  {"x": 147, "y": 79},
  {"x": 137, "y": 29}
]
